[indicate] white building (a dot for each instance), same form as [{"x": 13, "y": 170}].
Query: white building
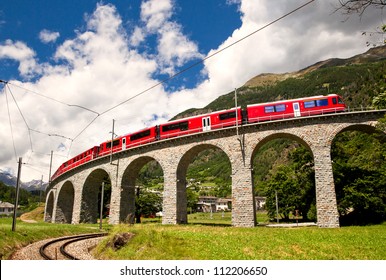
[
  {"x": 213, "y": 204},
  {"x": 6, "y": 208}
]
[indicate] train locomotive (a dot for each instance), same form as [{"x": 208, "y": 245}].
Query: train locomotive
[{"x": 254, "y": 113}]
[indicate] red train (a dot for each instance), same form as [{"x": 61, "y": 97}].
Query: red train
[{"x": 294, "y": 108}]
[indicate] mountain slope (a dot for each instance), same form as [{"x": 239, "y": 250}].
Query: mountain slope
[
  {"x": 372, "y": 55},
  {"x": 10, "y": 180},
  {"x": 357, "y": 79}
]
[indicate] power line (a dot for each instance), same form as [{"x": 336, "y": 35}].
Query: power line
[
  {"x": 207, "y": 57},
  {"x": 10, "y": 124},
  {"x": 195, "y": 64},
  {"x": 51, "y": 134},
  {"x": 21, "y": 113},
  {"x": 134, "y": 96},
  {"x": 52, "y": 99}
]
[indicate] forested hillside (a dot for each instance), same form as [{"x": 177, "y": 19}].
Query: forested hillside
[{"x": 287, "y": 167}]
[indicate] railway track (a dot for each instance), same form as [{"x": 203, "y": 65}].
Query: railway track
[{"x": 57, "y": 249}]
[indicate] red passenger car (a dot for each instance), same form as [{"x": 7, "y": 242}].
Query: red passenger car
[
  {"x": 86, "y": 156},
  {"x": 105, "y": 147},
  {"x": 139, "y": 138},
  {"x": 316, "y": 105},
  {"x": 308, "y": 106},
  {"x": 205, "y": 122}
]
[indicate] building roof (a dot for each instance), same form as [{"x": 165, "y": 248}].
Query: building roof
[
  {"x": 6, "y": 205},
  {"x": 224, "y": 200}
]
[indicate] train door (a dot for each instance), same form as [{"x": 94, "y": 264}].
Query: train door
[
  {"x": 296, "y": 109},
  {"x": 124, "y": 143},
  {"x": 206, "y": 124}
]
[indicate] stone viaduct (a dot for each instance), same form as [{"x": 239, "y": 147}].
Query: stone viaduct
[{"x": 73, "y": 197}]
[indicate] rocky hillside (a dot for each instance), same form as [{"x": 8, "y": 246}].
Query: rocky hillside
[
  {"x": 358, "y": 79},
  {"x": 372, "y": 55},
  {"x": 10, "y": 180}
]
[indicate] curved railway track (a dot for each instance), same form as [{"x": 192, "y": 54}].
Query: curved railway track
[{"x": 49, "y": 250}]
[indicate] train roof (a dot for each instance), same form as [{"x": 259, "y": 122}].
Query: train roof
[
  {"x": 201, "y": 115},
  {"x": 292, "y": 100}
]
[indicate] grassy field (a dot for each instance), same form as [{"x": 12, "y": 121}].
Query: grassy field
[
  {"x": 198, "y": 242},
  {"x": 211, "y": 237}
]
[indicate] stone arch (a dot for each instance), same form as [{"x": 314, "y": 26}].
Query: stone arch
[
  {"x": 129, "y": 177},
  {"x": 298, "y": 138},
  {"x": 182, "y": 168},
  {"x": 90, "y": 192},
  {"x": 277, "y": 135},
  {"x": 349, "y": 173},
  {"x": 65, "y": 203},
  {"x": 49, "y": 211},
  {"x": 368, "y": 128}
]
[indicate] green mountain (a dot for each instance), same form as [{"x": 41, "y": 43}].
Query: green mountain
[
  {"x": 284, "y": 165},
  {"x": 357, "y": 79}
]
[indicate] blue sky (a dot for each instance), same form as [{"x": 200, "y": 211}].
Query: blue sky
[
  {"x": 98, "y": 55},
  {"x": 207, "y": 22}
]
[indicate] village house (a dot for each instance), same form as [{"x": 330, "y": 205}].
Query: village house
[
  {"x": 6, "y": 208},
  {"x": 213, "y": 204},
  {"x": 260, "y": 202}
]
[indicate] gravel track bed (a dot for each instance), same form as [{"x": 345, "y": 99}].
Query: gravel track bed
[{"x": 80, "y": 250}]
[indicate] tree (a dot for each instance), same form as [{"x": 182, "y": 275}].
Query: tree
[
  {"x": 360, "y": 178},
  {"x": 379, "y": 101},
  {"x": 359, "y": 6},
  {"x": 349, "y": 7},
  {"x": 294, "y": 184},
  {"x": 283, "y": 183},
  {"x": 147, "y": 203}
]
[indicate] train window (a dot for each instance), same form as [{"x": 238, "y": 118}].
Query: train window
[
  {"x": 322, "y": 102},
  {"x": 115, "y": 143},
  {"x": 140, "y": 135},
  {"x": 334, "y": 100},
  {"x": 269, "y": 109},
  {"x": 176, "y": 126},
  {"x": 280, "y": 108},
  {"x": 228, "y": 115},
  {"x": 340, "y": 101},
  {"x": 309, "y": 104}
]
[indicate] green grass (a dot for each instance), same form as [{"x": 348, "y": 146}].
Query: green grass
[
  {"x": 212, "y": 239},
  {"x": 27, "y": 233},
  {"x": 202, "y": 242}
]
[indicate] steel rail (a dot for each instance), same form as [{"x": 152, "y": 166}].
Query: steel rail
[{"x": 72, "y": 239}]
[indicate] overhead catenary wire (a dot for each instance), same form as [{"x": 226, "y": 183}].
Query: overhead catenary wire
[
  {"x": 206, "y": 58},
  {"x": 53, "y": 99},
  {"x": 22, "y": 115},
  {"x": 10, "y": 124},
  {"x": 195, "y": 64},
  {"x": 201, "y": 61}
]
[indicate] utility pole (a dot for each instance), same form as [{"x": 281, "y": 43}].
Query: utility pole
[
  {"x": 111, "y": 146},
  {"x": 101, "y": 211},
  {"x": 40, "y": 190},
  {"x": 237, "y": 118},
  {"x": 237, "y": 129},
  {"x": 49, "y": 175},
  {"x": 17, "y": 194},
  {"x": 277, "y": 207}
]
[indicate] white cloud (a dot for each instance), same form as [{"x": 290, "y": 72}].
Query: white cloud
[
  {"x": 174, "y": 48},
  {"x": 20, "y": 52},
  {"x": 47, "y": 36},
  {"x": 155, "y": 13},
  {"x": 137, "y": 37}
]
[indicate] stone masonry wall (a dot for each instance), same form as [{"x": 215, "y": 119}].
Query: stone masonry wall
[{"x": 175, "y": 155}]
